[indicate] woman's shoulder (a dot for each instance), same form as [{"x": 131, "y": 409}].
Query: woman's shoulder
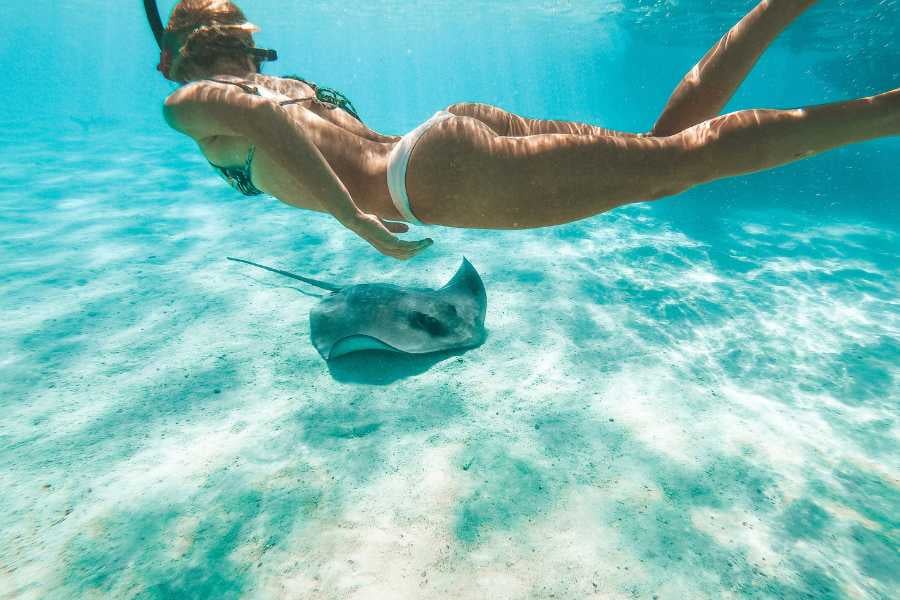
[
  {"x": 199, "y": 106},
  {"x": 191, "y": 91},
  {"x": 259, "y": 85},
  {"x": 214, "y": 92}
]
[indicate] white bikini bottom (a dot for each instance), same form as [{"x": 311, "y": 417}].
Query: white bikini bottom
[{"x": 399, "y": 162}]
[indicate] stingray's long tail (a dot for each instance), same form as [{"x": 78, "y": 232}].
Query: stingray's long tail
[{"x": 321, "y": 284}]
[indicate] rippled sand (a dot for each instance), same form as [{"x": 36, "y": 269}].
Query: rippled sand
[{"x": 654, "y": 413}]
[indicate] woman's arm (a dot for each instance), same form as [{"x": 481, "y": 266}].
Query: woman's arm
[{"x": 203, "y": 110}]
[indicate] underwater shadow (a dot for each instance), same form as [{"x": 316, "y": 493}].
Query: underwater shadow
[{"x": 378, "y": 367}]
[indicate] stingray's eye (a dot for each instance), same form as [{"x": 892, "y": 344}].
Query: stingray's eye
[{"x": 420, "y": 320}]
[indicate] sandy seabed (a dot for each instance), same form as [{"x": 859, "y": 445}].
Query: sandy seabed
[{"x": 652, "y": 415}]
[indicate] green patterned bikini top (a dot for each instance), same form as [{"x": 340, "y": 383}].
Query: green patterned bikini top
[{"x": 329, "y": 96}]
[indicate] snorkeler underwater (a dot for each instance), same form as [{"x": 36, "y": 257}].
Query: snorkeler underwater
[
  {"x": 479, "y": 166},
  {"x": 510, "y": 299}
]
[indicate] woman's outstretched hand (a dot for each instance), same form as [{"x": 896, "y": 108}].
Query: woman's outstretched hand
[{"x": 379, "y": 233}]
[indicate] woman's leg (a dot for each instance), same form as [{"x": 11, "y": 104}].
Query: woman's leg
[
  {"x": 754, "y": 140},
  {"x": 701, "y": 94},
  {"x": 708, "y": 87},
  {"x": 464, "y": 175}
]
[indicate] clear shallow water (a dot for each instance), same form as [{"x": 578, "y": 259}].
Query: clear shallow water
[{"x": 695, "y": 398}]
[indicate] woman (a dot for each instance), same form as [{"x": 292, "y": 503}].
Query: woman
[{"x": 475, "y": 165}]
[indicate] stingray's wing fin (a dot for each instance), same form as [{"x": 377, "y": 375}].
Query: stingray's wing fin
[
  {"x": 468, "y": 281},
  {"x": 320, "y": 284}
]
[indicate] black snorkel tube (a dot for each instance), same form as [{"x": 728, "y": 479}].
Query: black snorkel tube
[
  {"x": 155, "y": 22},
  {"x": 156, "y": 26}
]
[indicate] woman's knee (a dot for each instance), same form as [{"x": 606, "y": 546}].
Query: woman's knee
[
  {"x": 694, "y": 156},
  {"x": 471, "y": 109},
  {"x": 497, "y": 119},
  {"x": 460, "y": 109}
]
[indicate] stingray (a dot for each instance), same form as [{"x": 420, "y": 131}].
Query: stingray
[{"x": 381, "y": 316}]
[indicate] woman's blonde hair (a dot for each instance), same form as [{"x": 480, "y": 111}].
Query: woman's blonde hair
[{"x": 203, "y": 31}]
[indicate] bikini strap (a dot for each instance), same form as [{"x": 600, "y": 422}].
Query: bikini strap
[
  {"x": 255, "y": 91},
  {"x": 247, "y": 88},
  {"x": 296, "y": 101}
]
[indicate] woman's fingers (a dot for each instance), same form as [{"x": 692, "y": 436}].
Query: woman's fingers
[
  {"x": 375, "y": 231},
  {"x": 401, "y": 249}
]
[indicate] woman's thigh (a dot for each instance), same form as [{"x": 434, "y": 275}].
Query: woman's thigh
[
  {"x": 462, "y": 174},
  {"x": 510, "y": 124}
]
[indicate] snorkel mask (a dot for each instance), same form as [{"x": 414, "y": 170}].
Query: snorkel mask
[{"x": 167, "y": 53}]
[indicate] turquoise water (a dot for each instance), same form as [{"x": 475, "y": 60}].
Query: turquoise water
[{"x": 694, "y": 398}]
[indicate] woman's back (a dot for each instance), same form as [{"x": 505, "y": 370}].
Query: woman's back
[{"x": 356, "y": 153}]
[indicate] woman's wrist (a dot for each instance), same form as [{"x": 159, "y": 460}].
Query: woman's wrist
[{"x": 356, "y": 221}]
